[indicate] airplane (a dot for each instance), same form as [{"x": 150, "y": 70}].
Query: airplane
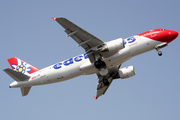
[{"x": 101, "y": 58}]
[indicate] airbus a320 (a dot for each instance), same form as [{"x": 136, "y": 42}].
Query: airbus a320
[{"x": 101, "y": 58}]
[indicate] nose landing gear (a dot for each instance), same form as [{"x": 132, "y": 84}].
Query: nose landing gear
[
  {"x": 157, "y": 47},
  {"x": 159, "y": 52}
]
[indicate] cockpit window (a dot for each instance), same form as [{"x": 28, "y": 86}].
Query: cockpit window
[{"x": 163, "y": 29}]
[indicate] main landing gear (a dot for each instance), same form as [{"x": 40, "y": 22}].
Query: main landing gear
[{"x": 101, "y": 66}]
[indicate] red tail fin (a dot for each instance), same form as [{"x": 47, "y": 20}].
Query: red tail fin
[{"x": 21, "y": 66}]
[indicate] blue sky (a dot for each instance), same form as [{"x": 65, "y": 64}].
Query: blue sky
[{"x": 28, "y": 32}]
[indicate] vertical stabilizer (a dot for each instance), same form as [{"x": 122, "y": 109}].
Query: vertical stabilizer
[
  {"x": 25, "y": 90},
  {"x": 20, "y": 72},
  {"x": 22, "y": 67}
]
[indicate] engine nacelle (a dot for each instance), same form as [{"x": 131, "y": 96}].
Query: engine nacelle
[
  {"x": 113, "y": 45},
  {"x": 126, "y": 72}
]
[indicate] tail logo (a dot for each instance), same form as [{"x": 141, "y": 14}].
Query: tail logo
[{"x": 21, "y": 67}]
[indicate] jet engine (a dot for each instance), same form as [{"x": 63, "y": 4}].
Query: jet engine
[
  {"x": 113, "y": 45},
  {"x": 126, "y": 72}
]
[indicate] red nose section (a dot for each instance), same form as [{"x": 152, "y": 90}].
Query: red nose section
[
  {"x": 161, "y": 35},
  {"x": 172, "y": 35}
]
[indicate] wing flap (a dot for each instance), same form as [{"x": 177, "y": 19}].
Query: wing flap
[{"x": 101, "y": 88}]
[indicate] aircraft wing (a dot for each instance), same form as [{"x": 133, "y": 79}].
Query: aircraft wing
[
  {"x": 89, "y": 42},
  {"x": 78, "y": 34},
  {"x": 91, "y": 45},
  {"x": 101, "y": 88}
]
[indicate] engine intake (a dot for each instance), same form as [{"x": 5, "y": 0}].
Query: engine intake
[
  {"x": 113, "y": 45},
  {"x": 126, "y": 72}
]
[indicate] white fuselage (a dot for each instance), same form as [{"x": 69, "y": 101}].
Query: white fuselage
[{"x": 80, "y": 65}]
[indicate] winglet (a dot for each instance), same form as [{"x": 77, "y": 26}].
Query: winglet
[
  {"x": 54, "y": 18},
  {"x": 95, "y": 97}
]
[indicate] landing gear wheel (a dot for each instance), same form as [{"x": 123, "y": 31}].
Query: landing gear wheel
[
  {"x": 159, "y": 53},
  {"x": 97, "y": 64},
  {"x": 106, "y": 82},
  {"x": 100, "y": 64}
]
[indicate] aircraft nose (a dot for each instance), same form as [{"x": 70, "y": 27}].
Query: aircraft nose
[{"x": 173, "y": 34}]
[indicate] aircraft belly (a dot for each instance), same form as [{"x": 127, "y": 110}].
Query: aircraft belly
[
  {"x": 87, "y": 68},
  {"x": 118, "y": 58},
  {"x": 65, "y": 73},
  {"x": 143, "y": 45}
]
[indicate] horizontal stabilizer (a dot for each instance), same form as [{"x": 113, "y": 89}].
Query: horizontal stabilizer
[
  {"x": 16, "y": 75},
  {"x": 25, "y": 90}
]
